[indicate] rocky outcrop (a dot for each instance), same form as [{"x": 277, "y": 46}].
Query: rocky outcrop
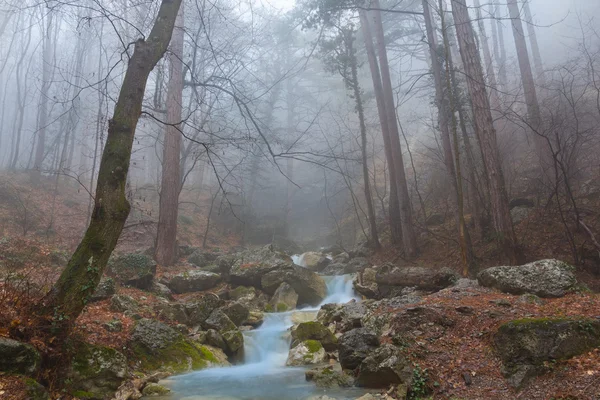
[
  {"x": 389, "y": 276},
  {"x": 251, "y": 265},
  {"x": 343, "y": 317},
  {"x": 96, "y": 372},
  {"x": 385, "y": 366},
  {"x": 192, "y": 281},
  {"x": 105, "y": 289},
  {"x": 286, "y": 245},
  {"x": 158, "y": 346},
  {"x": 306, "y": 353},
  {"x": 154, "y": 389},
  {"x": 314, "y": 331},
  {"x": 544, "y": 278},
  {"x": 328, "y": 377},
  {"x": 18, "y": 358},
  {"x": 123, "y": 303},
  {"x": 221, "y": 323},
  {"x": 237, "y": 312},
  {"x": 314, "y": 261},
  {"x": 284, "y": 299},
  {"x": 199, "y": 310},
  {"x": 356, "y": 345},
  {"x": 133, "y": 269},
  {"x": 309, "y": 286},
  {"x": 525, "y": 345},
  {"x": 365, "y": 283}
]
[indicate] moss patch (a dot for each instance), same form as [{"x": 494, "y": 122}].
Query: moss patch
[
  {"x": 313, "y": 345},
  {"x": 180, "y": 356}
]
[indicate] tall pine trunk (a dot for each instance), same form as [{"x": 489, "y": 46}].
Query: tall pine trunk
[
  {"x": 166, "y": 238},
  {"x": 485, "y": 131},
  {"x": 409, "y": 239},
  {"x": 394, "y": 206},
  {"x": 69, "y": 295}
]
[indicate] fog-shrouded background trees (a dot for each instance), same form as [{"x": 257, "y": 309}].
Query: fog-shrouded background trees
[{"x": 407, "y": 125}]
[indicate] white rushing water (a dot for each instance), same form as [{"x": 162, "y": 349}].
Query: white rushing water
[{"x": 264, "y": 376}]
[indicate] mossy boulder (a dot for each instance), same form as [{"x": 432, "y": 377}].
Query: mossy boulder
[
  {"x": 544, "y": 278},
  {"x": 96, "y": 371},
  {"x": 330, "y": 376},
  {"x": 356, "y": 345},
  {"x": 154, "y": 389},
  {"x": 250, "y": 266},
  {"x": 306, "y": 353},
  {"x": 35, "y": 391},
  {"x": 237, "y": 312},
  {"x": 232, "y": 336},
  {"x": 18, "y": 358},
  {"x": 133, "y": 269},
  {"x": 198, "y": 259},
  {"x": 525, "y": 345},
  {"x": 158, "y": 346},
  {"x": 105, "y": 289},
  {"x": 192, "y": 281},
  {"x": 199, "y": 310},
  {"x": 171, "y": 311},
  {"x": 285, "y": 298},
  {"x": 309, "y": 286},
  {"x": 314, "y": 261},
  {"x": 123, "y": 303},
  {"x": 385, "y": 366},
  {"x": 314, "y": 331}
]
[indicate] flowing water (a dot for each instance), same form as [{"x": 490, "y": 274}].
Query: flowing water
[{"x": 264, "y": 376}]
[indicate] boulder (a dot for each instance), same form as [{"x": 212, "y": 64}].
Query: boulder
[
  {"x": 344, "y": 316},
  {"x": 114, "y": 325},
  {"x": 309, "y": 286},
  {"x": 306, "y": 353},
  {"x": 105, "y": 289},
  {"x": 335, "y": 269},
  {"x": 220, "y": 322},
  {"x": 385, "y": 366},
  {"x": 97, "y": 371},
  {"x": 251, "y": 265},
  {"x": 171, "y": 311},
  {"x": 158, "y": 346},
  {"x": 285, "y": 245},
  {"x": 389, "y": 276},
  {"x": 200, "y": 309},
  {"x": 250, "y": 297},
  {"x": 122, "y": 303},
  {"x": 365, "y": 283},
  {"x": 215, "y": 339},
  {"x": 133, "y": 269},
  {"x": 18, "y": 358},
  {"x": 284, "y": 299},
  {"x": 154, "y": 389},
  {"x": 521, "y": 202},
  {"x": 357, "y": 264},
  {"x": 314, "y": 331},
  {"x": 161, "y": 290},
  {"x": 341, "y": 258},
  {"x": 525, "y": 345},
  {"x": 518, "y": 214},
  {"x": 237, "y": 312},
  {"x": 199, "y": 259},
  {"x": 544, "y": 278},
  {"x": 314, "y": 261},
  {"x": 356, "y": 345},
  {"x": 192, "y": 281},
  {"x": 328, "y": 377}
]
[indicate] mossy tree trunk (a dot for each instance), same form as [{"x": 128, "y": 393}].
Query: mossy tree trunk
[{"x": 69, "y": 295}]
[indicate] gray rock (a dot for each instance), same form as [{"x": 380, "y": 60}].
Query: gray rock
[
  {"x": 314, "y": 331},
  {"x": 193, "y": 281},
  {"x": 356, "y": 345},
  {"x": 518, "y": 214},
  {"x": 428, "y": 279},
  {"x": 161, "y": 290},
  {"x": 306, "y": 353},
  {"x": 345, "y": 316},
  {"x": 18, "y": 358},
  {"x": 199, "y": 259},
  {"x": 154, "y": 335},
  {"x": 97, "y": 370},
  {"x": 309, "y": 286},
  {"x": 105, "y": 289},
  {"x": 314, "y": 261},
  {"x": 199, "y": 310},
  {"x": 284, "y": 299},
  {"x": 114, "y": 325},
  {"x": 250, "y": 266},
  {"x": 525, "y": 345},
  {"x": 175, "y": 312},
  {"x": 328, "y": 377},
  {"x": 219, "y": 321},
  {"x": 237, "y": 312},
  {"x": 544, "y": 278},
  {"x": 133, "y": 269},
  {"x": 154, "y": 389},
  {"x": 385, "y": 366},
  {"x": 122, "y": 303}
]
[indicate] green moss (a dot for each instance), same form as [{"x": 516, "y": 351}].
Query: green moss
[
  {"x": 82, "y": 394},
  {"x": 177, "y": 356},
  {"x": 269, "y": 308},
  {"x": 281, "y": 307},
  {"x": 313, "y": 345},
  {"x": 534, "y": 322}
]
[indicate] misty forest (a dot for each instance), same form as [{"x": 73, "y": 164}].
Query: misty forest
[{"x": 299, "y": 200}]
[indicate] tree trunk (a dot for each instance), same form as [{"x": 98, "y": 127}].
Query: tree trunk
[
  {"x": 485, "y": 130},
  {"x": 409, "y": 239},
  {"x": 535, "y": 48},
  {"x": 533, "y": 108},
  {"x": 445, "y": 109},
  {"x": 363, "y": 135},
  {"x": 43, "y": 112},
  {"x": 487, "y": 58},
  {"x": 394, "y": 207},
  {"x": 69, "y": 295},
  {"x": 501, "y": 52},
  {"x": 166, "y": 239}
]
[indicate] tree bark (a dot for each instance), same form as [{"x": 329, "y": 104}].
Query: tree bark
[
  {"x": 485, "y": 131},
  {"x": 69, "y": 295},
  {"x": 349, "y": 39},
  {"x": 409, "y": 239},
  {"x": 487, "y": 58},
  {"x": 166, "y": 238},
  {"x": 394, "y": 206},
  {"x": 535, "y": 48}
]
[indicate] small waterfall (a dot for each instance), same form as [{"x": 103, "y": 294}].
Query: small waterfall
[
  {"x": 298, "y": 259},
  {"x": 339, "y": 289},
  {"x": 269, "y": 344}
]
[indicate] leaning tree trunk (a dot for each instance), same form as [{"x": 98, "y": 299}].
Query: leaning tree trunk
[
  {"x": 535, "y": 48},
  {"x": 409, "y": 239},
  {"x": 69, "y": 295},
  {"x": 363, "y": 147},
  {"x": 166, "y": 238},
  {"x": 394, "y": 206},
  {"x": 484, "y": 43},
  {"x": 485, "y": 130}
]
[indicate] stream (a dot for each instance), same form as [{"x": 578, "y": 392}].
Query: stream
[{"x": 264, "y": 375}]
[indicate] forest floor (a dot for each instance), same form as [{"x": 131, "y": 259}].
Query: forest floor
[{"x": 42, "y": 223}]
